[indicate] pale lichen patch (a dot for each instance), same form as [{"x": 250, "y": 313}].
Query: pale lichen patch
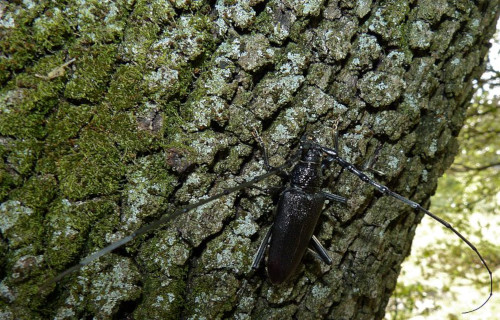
[
  {"x": 14, "y": 220},
  {"x": 380, "y": 89},
  {"x": 256, "y": 52},
  {"x": 239, "y": 13}
]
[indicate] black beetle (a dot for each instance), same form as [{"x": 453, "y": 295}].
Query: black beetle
[
  {"x": 301, "y": 203},
  {"x": 297, "y": 213}
]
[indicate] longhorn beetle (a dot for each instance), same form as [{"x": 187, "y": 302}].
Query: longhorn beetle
[{"x": 298, "y": 210}]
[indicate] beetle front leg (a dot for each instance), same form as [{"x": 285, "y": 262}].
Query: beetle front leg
[{"x": 333, "y": 197}]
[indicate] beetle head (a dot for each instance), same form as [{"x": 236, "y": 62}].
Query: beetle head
[{"x": 311, "y": 150}]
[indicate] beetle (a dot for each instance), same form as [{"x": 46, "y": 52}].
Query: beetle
[
  {"x": 300, "y": 206},
  {"x": 298, "y": 210},
  {"x": 297, "y": 213}
]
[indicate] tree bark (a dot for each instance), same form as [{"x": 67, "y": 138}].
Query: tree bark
[{"x": 157, "y": 110}]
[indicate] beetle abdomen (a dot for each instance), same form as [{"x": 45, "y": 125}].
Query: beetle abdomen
[{"x": 296, "y": 217}]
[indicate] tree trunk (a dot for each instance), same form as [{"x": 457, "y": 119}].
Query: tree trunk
[{"x": 157, "y": 110}]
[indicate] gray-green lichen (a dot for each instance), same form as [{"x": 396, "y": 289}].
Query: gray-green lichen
[
  {"x": 113, "y": 114},
  {"x": 380, "y": 89},
  {"x": 16, "y": 222}
]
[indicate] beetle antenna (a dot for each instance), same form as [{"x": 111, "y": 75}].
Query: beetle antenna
[
  {"x": 333, "y": 156},
  {"x": 166, "y": 218}
]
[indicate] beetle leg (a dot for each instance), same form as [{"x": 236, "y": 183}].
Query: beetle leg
[
  {"x": 262, "y": 249},
  {"x": 334, "y": 197},
  {"x": 321, "y": 251}
]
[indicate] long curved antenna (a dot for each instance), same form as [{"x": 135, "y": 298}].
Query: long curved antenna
[
  {"x": 333, "y": 156},
  {"x": 166, "y": 218}
]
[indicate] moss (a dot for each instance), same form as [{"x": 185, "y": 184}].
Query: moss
[
  {"x": 122, "y": 129},
  {"x": 93, "y": 167},
  {"x": 212, "y": 295},
  {"x": 94, "y": 153},
  {"x": 23, "y": 111},
  {"x": 98, "y": 21},
  {"x": 8, "y": 180},
  {"x": 37, "y": 192},
  {"x": 125, "y": 89},
  {"x": 163, "y": 299},
  {"x": 146, "y": 22},
  {"x": 92, "y": 72},
  {"x": 388, "y": 21},
  {"x": 20, "y": 224},
  {"x": 31, "y": 301},
  {"x": 52, "y": 29},
  {"x": 68, "y": 225},
  {"x": 17, "y": 43},
  {"x": 63, "y": 127},
  {"x": 177, "y": 54}
]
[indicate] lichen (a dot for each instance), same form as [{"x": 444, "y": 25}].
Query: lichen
[
  {"x": 105, "y": 286},
  {"x": 335, "y": 41},
  {"x": 432, "y": 10},
  {"x": 380, "y": 89},
  {"x": 388, "y": 21},
  {"x": 275, "y": 22},
  {"x": 366, "y": 52},
  {"x": 239, "y": 13},
  {"x": 275, "y": 91},
  {"x": 145, "y": 194},
  {"x": 305, "y": 8},
  {"x": 213, "y": 294},
  {"x": 18, "y": 223},
  {"x": 420, "y": 36},
  {"x": 163, "y": 299},
  {"x": 256, "y": 53}
]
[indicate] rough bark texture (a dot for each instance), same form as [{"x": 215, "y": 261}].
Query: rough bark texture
[{"x": 161, "y": 100}]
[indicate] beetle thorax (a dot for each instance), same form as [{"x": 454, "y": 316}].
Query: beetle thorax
[{"x": 307, "y": 172}]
